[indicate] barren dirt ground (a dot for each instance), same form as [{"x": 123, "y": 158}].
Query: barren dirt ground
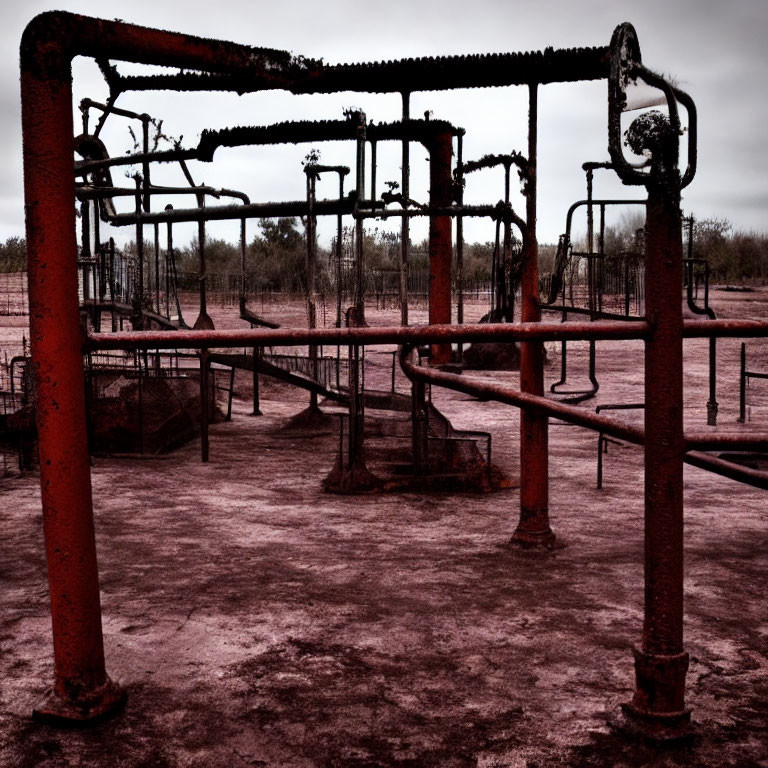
[{"x": 257, "y": 621}]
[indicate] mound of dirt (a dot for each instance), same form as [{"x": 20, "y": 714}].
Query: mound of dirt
[
  {"x": 309, "y": 422},
  {"x": 492, "y": 356},
  {"x": 153, "y": 416}
]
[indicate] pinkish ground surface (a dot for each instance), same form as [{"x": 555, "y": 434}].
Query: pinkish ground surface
[{"x": 257, "y": 621}]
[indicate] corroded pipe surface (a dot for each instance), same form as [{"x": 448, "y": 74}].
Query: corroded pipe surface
[
  {"x": 425, "y": 334},
  {"x": 440, "y": 250}
]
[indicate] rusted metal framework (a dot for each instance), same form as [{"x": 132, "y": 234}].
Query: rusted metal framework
[
  {"x": 629, "y": 269},
  {"x": 744, "y": 376},
  {"x": 82, "y": 689}
]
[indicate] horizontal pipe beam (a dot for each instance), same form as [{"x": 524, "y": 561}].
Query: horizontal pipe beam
[
  {"x": 425, "y": 334},
  {"x": 405, "y": 75},
  {"x": 52, "y": 39},
  {"x": 524, "y": 400},
  {"x": 90, "y": 192},
  {"x": 83, "y": 167},
  {"x": 712, "y": 441},
  {"x": 754, "y": 477},
  {"x": 581, "y": 418},
  {"x": 290, "y": 208},
  {"x": 734, "y": 329},
  {"x": 572, "y": 331}
]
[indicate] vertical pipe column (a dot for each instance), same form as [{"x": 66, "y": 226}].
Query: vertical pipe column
[
  {"x": 85, "y": 247},
  {"x": 590, "y": 262},
  {"x": 712, "y": 404},
  {"x": 420, "y": 428},
  {"x": 311, "y": 280},
  {"x": 205, "y": 398},
  {"x": 145, "y": 120},
  {"x": 82, "y": 690},
  {"x": 241, "y": 297},
  {"x": 157, "y": 269},
  {"x": 359, "y": 302},
  {"x": 601, "y": 262},
  {"x": 112, "y": 291},
  {"x": 743, "y": 384},
  {"x": 203, "y": 322},
  {"x": 167, "y": 275},
  {"x": 661, "y": 663},
  {"x": 405, "y": 232},
  {"x": 533, "y": 527},
  {"x": 256, "y": 400},
  {"x": 440, "y": 251},
  {"x": 99, "y": 250},
  {"x": 460, "y": 236},
  {"x": 138, "y": 297},
  {"x": 339, "y": 240},
  {"x": 356, "y": 463},
  {"x": 507, "y": 302}
]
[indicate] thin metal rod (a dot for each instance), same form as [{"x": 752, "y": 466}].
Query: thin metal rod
[{"x": 405, "y": 223}]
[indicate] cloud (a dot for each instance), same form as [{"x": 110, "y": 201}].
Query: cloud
[{"x": 716, "y": 53}]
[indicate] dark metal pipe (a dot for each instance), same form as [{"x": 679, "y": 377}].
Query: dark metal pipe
[
  {"x": 405, "y": 223},
  {"x": 359, "y": 281},
  {"x": 707, "y": 441},
  {"x": 411, "y": 75},
  {"x": 137, "y": 320},
  {"x": 459, "y": 237},
  {"x": 754, "y": 477},
  {"x": 311, "y": 265},
  {"x": 440, "y": 250},
  {"x": 339, "y": 246},
  {"x": 743, "y": 384},
  {"x": 204, "y": 402},
  {"x": 661, "y": 662}
]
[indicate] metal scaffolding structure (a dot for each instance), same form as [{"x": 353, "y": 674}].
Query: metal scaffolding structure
[{"x": 82, "y": 689}]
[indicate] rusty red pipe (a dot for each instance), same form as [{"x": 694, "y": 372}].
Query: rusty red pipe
[
  {"x": 425, "y": 334},
  {"x": 754, "y": 477},
  {"x": 533, "y": 524},
  {"x": 536, "y": 404},
  {"x": 661, "y": 662},
  {"x": 706, "y": 441},
  {"x": 52, "y": 39},
  {"x": 589, "y": 420},
  {"x": 572, "y": 331},
  {"x": 82, "y": 690},
  {"x": 580, "y": 417},
  {"x": 440, "y": 250},
  {"x": 734, "y": 329}
]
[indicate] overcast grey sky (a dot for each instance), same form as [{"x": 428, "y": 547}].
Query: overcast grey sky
[{"x": 714, "y": 50}]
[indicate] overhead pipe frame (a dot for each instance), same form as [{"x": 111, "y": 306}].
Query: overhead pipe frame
[
  {"x": 435, "y": 135},
  {"x": 82, "y": 689}
]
